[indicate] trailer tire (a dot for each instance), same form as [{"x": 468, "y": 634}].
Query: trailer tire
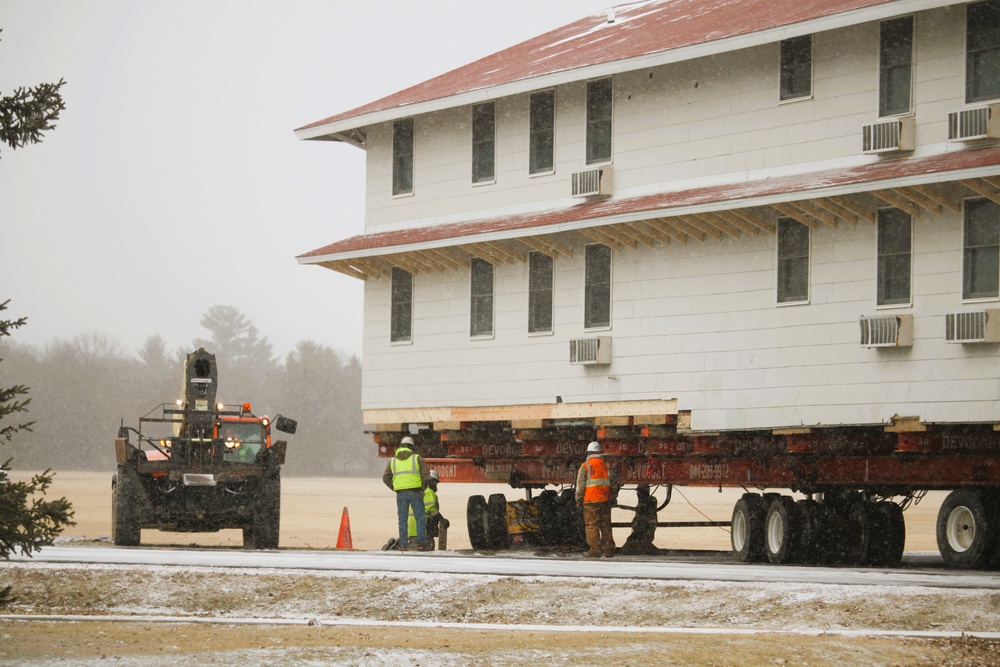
[
  {"x": 810, "y": 518},
  {"x": 266, "y": 522},
  {"x": 475, "y": 518},
  {"x": 888, "y": 536},
  {"x": 548, "y": 517},
  {"x": 126, "y": 511},
  {"x": 747, "y": 536},
  {"x": 861, "y": 525},
  {"x": 781, "y": 531},
  {"x": 967, "y": 533},
  {"x": 497, "y": 535}
]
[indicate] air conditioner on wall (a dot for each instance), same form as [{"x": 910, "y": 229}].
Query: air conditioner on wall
[
  {"x": 976, "y": 327},
  {"x": 590, "y": 351},
  {"x": 978, "y": 123},
  {"x": 888, "y": 136},
  {"x": 887, "y": 331},
  {"x": 592, "y": 182}
]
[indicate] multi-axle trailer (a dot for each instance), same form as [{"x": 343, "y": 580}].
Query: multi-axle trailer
[{"x": 853, "y": 482}]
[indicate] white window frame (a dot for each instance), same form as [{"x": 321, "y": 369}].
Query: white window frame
[
  {"x": 879, "y": 255},
  {"x": 393, "y": 308},
  {"x": 589, "y": 123},
  {"x": 396, "y": 191},
  {"x": 783, "y": 66},
  {"x": 549, "y": 131},
  {"x": 779, "y": 259},
  {"x": 475, "y": 299},
  {"x": 587, "y": 287},
  {"x": 966, "y": 296},
  {"x": 883, "y": 112},
  {"x": 479, "y": 142},
  {"x": 532, "y": 257}
]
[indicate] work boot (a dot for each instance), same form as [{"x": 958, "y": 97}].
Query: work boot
[{"x": 592, "y": 554}]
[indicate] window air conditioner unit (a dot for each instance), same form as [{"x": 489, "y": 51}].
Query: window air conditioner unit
[
  {"x": 590, "y": 351},
  {"x": 592, "y": 182},
  {"x": 887, "y": 331},
  {"x": 976, "y": 327},
  {"x": 888, "y": 136},
  {"x": 978, "y": 123}
]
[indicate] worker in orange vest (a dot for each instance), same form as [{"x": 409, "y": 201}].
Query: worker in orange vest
[{"x": 594, "y": 495}]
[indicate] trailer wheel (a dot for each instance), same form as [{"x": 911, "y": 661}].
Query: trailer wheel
[
  {"x": 888, "y": 535},
  {"x": 548, "y": 517},
  {"x": 266, "y": 522},
  {"x": 497, "y": 535},
  {"x": 747, "y": 534},
  {"x": 475, "y": 518},
  {"x": 810, "y": 517},
  {"x": 861, "y": 525},
  {"x": 126, "y": 512},
  {"x": 781, "y": 530},
  {"x": 966, "y": 532}
]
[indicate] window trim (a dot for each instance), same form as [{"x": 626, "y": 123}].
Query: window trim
[
  {"x": 479, "y": 143},
  {"x": 778, "y": 260},
  {"x": 396, "y": 190},
  {"x": 587, "y": 287},
  {"x": 474, "y": 297},
  {"x": 879, "y": 304},
  {"x": 882, "y": 68},
  {"x": 965, "y": 265},
  {"x": 590, "y": 123},
  {"x": 392, "y": 308},
  {"x": 784, "y": 67},
  {"x": 550, "y": 131},
  {"x": 969, "y": 97},
  {"x": 532, "y": 256}
]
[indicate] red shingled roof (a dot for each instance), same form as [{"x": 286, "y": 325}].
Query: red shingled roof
[
  {"x": 790, "y": 188},
  {"x": 638, "y": 29}
]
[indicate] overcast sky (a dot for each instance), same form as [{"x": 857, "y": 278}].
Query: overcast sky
[{"x": 173, "y": 180}]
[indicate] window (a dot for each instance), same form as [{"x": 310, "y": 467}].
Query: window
[
  {"x": 894, "y": 240},
  {"x": 481, "y": 306},
  {"x": 981, "y": 261},
  {"x": 895, "y": 56},
  {"x": 796, "y": 67},
  {"x": 541, "y": 149},
  {"x": 599, "y": 121},
  {"x": 402, "y": 156},
  {"x": 793, "y": 261},
  {"x": 483, "y": 142},
  {"x": 982, "y": 57},
  {"x": 402, "y": 305},
  {"x": 539, "y": 293},
  {"x": 597, "y": 287}
]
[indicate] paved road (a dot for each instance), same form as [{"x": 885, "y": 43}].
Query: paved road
[{"x": 919, "y": 569}]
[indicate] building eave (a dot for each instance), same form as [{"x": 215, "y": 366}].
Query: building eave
[{"x": 343, "y": 125}]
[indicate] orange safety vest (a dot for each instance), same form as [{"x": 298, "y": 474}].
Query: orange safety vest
[{"x": 598, "y": 484}]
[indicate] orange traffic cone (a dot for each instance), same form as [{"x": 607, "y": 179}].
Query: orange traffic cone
[{"x": 344, "y": 539}]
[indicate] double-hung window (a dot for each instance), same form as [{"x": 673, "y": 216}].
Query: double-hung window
[
  {"x": 597, "y": 287},
  {"x": 793, "y": 261},
  {"x": 599, "y": 117},
  {"x": 542, "y": 123},
  {"x": 483, "y": 142},
  {"x": 982, "y": 57},
  {"x": 894, "y": 256},
  {"x": 895, "y": 57},
  {"x": 981, "y": 260},
  {"x": 796, "y": 67},
  {"x": 481, "y": 298},
  {"x": 401, "y": 309},
  {"x": 402, "y": 156},
  {"x": 539, "y": 293}
]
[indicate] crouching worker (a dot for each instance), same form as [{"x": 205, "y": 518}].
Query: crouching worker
[
  {"x": 640, "y": 541},
  {"x": 437, "y": 525}
]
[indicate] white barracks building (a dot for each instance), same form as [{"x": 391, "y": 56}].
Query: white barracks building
[{"x": 759, "y": 214}]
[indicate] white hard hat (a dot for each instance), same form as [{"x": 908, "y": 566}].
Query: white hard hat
[
  {"x": 434, "y": 475},
  {"x": 594, "y": 447},
  {"x": 406, "y": 441}
]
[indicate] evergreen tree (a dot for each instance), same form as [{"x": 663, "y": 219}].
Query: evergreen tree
[
  {"x": 27, "y": 522},
  {"x": 28, "y": 112}
]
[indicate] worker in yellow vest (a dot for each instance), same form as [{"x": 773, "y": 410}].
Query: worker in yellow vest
[
  {"x": 594, "y": 496},
  {"x": 437, "y": 525},
  {"x": 408, "y": 475}
]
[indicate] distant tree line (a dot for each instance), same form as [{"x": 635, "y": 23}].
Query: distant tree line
[{"x": 82, "y": 389}]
